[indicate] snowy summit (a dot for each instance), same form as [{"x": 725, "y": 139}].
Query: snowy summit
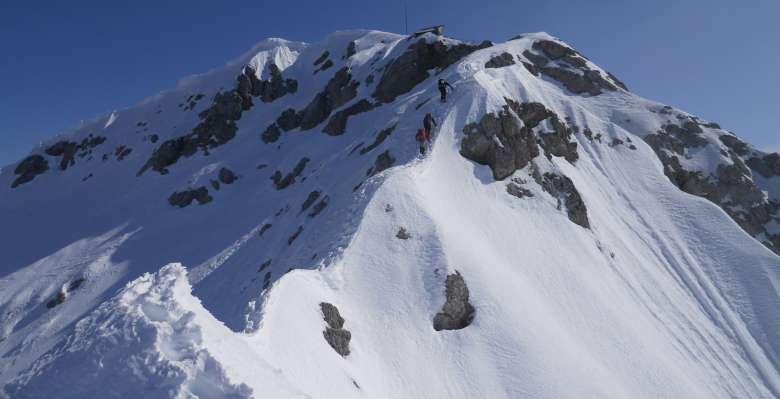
[{"x": 270, "y": 229}]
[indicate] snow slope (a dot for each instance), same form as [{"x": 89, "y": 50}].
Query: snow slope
[{"x": 664, "y": 295}]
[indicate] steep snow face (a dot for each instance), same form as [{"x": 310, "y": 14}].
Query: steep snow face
[{"x": 551, "y": 226}]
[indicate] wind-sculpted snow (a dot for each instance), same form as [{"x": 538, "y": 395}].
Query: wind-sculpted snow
[{"x": 290, "y": 184}]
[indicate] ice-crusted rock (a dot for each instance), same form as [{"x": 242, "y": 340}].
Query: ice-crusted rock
[{"x": 457, "y": 312}]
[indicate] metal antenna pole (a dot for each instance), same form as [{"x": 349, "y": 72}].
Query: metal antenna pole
[{"x": 406, "y": 20}]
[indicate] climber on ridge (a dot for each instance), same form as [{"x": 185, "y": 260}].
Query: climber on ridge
[
  {"x": 443, "y": 84},
  {"x": 424, "y": 135},
  {"x": 429, "y": 122}
]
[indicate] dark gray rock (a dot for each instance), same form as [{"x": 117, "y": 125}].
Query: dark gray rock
[
  {"x": 184, "y": 198},
  {"x": 351, "y": 50},
  {"x": 121, "y": 152},
  {"x": 379, "y": 139},
  {"x": 382, "y": 162},
  {"x": 284, "y": 182},
  {"x": 339, "y": 90},
  {"x": 295, "y": 235},
  {"x": 574, "y": 61},
  {"x": 558, "y": 142},
  {"x": 57, "y": 300},
  {"x": 531, "y": 68},
  {"x": 553, "y": 50},
  {"x": 575, "y": 82},
  {"x": 335, "y": 335},
  {"x": 500, "y": 61},
  {"x": 324, "y": 56},
  {"x": 324, "y": 66},
  {"x": 617, "y": 81},
  {"x": 411, "y": 68},
  {"x": 501, "y": 141},
  {"x": 310, "y": 199},
  {"x": 331, "y": 315},
  {"x": 562, "y": 188},
  {"x": 68, "y": 149},
  {"x": 289, "y": 119},
  {"x": 537, "y": 60},
  {"x": 264, "y": 228},
  {"x": 218, "y": 122},
  {"x": 227, "y": 176},
  {"x": 403, "y": 234},
  {"x": 30, "y": 167},
  {"x": 738, "y": 146},
  {"x": 319, "y": 207},
  {"x": 271, "y": 133},
  {"x": 457, "y": 312},
  {"x": 767, "y": 166},
  {"x": 337, "y": 123}
]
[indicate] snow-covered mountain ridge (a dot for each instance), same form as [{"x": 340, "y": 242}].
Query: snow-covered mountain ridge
[{"x": 548, "y": 246}]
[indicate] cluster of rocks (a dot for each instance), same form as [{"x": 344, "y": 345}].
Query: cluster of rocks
[
  {"x": 184, "y": 198},
  {"x": 568, "y": 67},
  {"x": 224, "y": 176},
  {"x": 457, "y": 312},
  {"x": 218, "y": 122},
  {"x": 339, "y": 90},
  {"x": 506, "y": 140},
  {"x": 335, "y": 335},
  {"x": 283, "y": 182},
  {"x": 68, "y": 150},
  {"x": 411, "y": 68},
  {"x": 28, "y": 168},
  {"x": 323, "y": 61},
  {"x": 499, "y": 61},
  {"x": 730, "y": 186},
  {"x": 563, "y": 189},
  {"x": 188, "y": 104}
]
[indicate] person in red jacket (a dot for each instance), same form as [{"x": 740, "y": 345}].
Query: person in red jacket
[{"x": 423, "y": 139}]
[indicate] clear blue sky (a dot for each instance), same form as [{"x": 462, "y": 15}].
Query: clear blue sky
[{"x": 63, "y": 61}]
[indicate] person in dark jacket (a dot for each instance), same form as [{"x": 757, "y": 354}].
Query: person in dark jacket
[
  {"x": 429, "y": 122},
  {"x": 443, "y": 85}
]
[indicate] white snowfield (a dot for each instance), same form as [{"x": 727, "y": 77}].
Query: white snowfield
[{"x": 664, "y": 296}]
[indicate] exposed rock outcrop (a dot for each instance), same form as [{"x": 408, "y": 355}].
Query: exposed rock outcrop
[
  {"x": 457, "y": 312},
  {"x": 339, "y": 90},
  {"x": 226, "y": 176},
  {"x": 382, "y": 162},
  {"x": 184, "y": 198},
  {"x": 218, "y": 122},
  {"x": 337, "y": 124},
  {"x": 411, "y": 68},
  {"x": 563, "y": 189},
  {"x": 30, "y": 167},
  {"x": 500, "y": 61},
  {"x": 335, "y": 335},
  {"x": 506, "y": 141},
  {"x": 68, "y": 149},
  {"x": 283, "y": 182},
  {"x": 310, "y": 199},
  {"x": 568, "y": 67}
]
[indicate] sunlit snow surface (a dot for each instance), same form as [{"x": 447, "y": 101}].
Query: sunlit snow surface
[{"x": 664, "y": 297}]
